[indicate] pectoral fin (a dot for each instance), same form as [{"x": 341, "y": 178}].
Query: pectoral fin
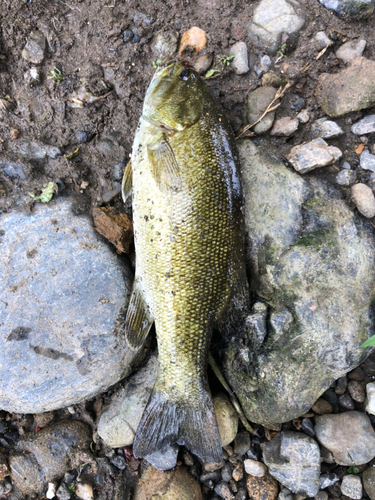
[
  {"x": 164, "y": 166},
  {"x": 127, "y": 181},
  {"x": 138, "y": 318}
]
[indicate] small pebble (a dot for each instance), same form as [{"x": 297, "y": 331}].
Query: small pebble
[
  {"x": 350, "y": 50},
  {"x": 14, "y": 170},
  {"x": 226, "y": 472},
  {"x": 321, "y": 40},
  {"x": 253, "y": 454},
  {"x": 51, "y": 492},
  {"x": 237, "y": 473},
  {"x": 193, "y": 40},
  {"x": 127, "y": 36},
  {"x": 370, "y": 399},
  {"x": 357, "y": 374},
  {"x": 367, "y": 160},
  {"x": 227, "y": 419},
  {"x": 284, "y": 127},
  {"x": 242, "y": 443},
  {"x": 364, "y": 126},
  {"x": 303, "y": 116},
  {"x": 260, "y": 488},
  {"x": 312, "y": 155},
  {"x": 356, "y": 391},
  {"x": 321, "y": 495},
  {"x": 341, "y": 385},
  {"x": 202, "y": 63},
  {"x": 308, "y": 427},
  {"x": 298, "y": 104},
  {"x": 14, "y": 133},
  {"x": 326, "y": 129},
  {"x": 119, "y": 462},
  {"x": 364, "y": 199},
  {"x": 321, "y": 407},
  {"x": 346, "y": 402},
  {"x": 110, "y": 195},
  {"x": 326, "y": 456},
  {"x": 257, "y": 469},
  {"x": 346, "y": 178},
  {"x": 210, "y": 466},
  {"x": 84, "y": 491},
  {"x": 82, "y": 136},
  {"x": 165, "y": 44},
  {"x": 285, "y": 494},
  {"x": 240, "y": 61},
  {"x": 328, "y": 480},
  {"x": 241, "y": 494},
  {"x": 233, "y": 485},
  {"x": 351, "y": 486},
  {"x": 34, "y": 48},
  {"x": 223, "y": 490},
  {"x": 346, "y": 165}
]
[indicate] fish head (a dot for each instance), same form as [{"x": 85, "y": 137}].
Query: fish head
[{"x": 175, "y": 97}]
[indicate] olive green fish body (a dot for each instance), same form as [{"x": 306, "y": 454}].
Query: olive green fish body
[{"x": 189, "y": 252}]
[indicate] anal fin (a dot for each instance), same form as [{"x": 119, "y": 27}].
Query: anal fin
[
  {"x": 164, "y": 167},
  {"x": 138, "y": 319}
]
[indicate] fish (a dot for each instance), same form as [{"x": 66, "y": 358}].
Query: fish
[{"x": 184, "y": 176}]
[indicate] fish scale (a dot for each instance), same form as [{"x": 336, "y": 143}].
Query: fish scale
[{"x": 189, "y": 253}]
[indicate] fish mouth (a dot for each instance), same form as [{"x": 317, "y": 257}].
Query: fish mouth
[{"x": 162, "y": 126}]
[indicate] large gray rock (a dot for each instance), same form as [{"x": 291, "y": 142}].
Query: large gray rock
[
  {"x": 352, "y": 89},
  {"x": 294, "y": 460},
  {"x": 271, "y": 19},
  {"x": 62, "y": 300},
  {"x": 257, "y": 103},
  {"x": 349, "y": 436},
  {"x": 350, "y": 9},
  {"x": 311, "y": 260}
]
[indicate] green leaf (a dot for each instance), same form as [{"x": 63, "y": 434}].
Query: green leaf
[
  {"x": 369, "y": 342},
  {"x": 47, "y": 193},
  {"x": 211, "y": 72},
  {"x": 353, "y": 470}
]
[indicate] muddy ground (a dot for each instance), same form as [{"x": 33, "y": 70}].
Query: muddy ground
[{"x": 86, "y": 45}]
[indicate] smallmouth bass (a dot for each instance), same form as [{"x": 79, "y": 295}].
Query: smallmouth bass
[{"x": 188, "y": 230}]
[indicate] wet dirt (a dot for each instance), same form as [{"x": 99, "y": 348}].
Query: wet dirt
[{"x": 85, "y": 42}]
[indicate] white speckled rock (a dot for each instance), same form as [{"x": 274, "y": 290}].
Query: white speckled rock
[
  {"x": 364, "y": 199},
  {"x": 326, "y": 129},
  {"x": 312, "y": 155},
  {"x": 254, "y": 468},
  {"x": 367, "y": 160},
  {"x": 364, "y": 126},
  {"x": 346, "y": 177},
  {"x": 370, "y": 399},
  {"x": 351, "y": 486}
]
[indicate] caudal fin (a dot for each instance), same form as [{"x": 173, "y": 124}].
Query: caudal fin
[{"x": 187, "y": 422}]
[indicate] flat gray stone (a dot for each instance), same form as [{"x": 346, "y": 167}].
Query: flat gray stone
[
  {"x": 349, "y": 436},
  {"x": 271, "y": 19},
  {"x": 364, "y": 199},
  {"x": 364, "y": 126},
  {"x": 351, "y": 486},
  {"x": 121, "y": 416},
  {"x": 311, "y": 257},
  {"x": 352, "y": 89},
  {"x": 294, "y": 460},
  {"x": 346, "y": 177},
  {"x": 35, "y": 150},
  {"x": 257, "y": 103},
  {"x": 350, "y": 9},
  {"x": 312, "y": 155},
  {"x": 62, "y": 302},
  {"x": 367, "y": 160},
  {"x": 326, "y": 129},
  {"x": 34, "y": 48},
  {"x": 350, "y": 50},
  {"x": 13, "y": 170},
  {"x": 240, "y": 61}
]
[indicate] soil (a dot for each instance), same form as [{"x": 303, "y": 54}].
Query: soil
[{"x": 85, "y": 43}]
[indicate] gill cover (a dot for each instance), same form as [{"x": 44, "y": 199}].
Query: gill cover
[{"x": 175, "y": 97}]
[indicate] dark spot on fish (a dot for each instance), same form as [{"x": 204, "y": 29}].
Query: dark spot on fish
[
  {"x": 50, "y": 353},
  {"x": 146, "y": 218},
  {"x": 19, "y": 333},
  {"x": 32, "y": 253}
]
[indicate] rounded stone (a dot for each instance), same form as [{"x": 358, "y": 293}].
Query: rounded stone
[
  {"x": 364, "y": 199},
  {"x": 62, "y": 299},
  {"x": 227, "y": 419},
  {"x": 351, "y": 486},
  {"x": 254, "y": 468},
  {"x": 257, "y": 103},
  {"x": 370, "y": 399},
  {"x": 368, "y": 478},
  {"x": 240, "y": 61},
  {"x": 349, "y": 436},
  {"x": 176, "y": 484},
  {"x": 262, "y": 488}
]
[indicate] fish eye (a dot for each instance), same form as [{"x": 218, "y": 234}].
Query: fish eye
[{"x": 184, "y": 75}]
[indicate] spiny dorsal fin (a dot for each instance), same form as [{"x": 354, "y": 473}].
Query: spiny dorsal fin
[
  {"x": 138, "y": 319},
  {"x": 127, "y": 181},
  {"x": 164, "y": 166}
]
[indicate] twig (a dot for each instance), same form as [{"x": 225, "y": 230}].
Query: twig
[
  {"x": 232, "y": 397},
  {"x": 280, "y": 92},
  {"x": 321, "y": 53}
]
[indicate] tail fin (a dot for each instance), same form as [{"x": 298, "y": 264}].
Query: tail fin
[{"x": 187, "y": 422}]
